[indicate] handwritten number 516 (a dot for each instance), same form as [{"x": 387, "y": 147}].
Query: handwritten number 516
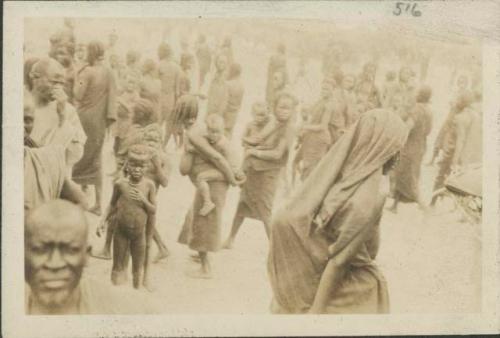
[{"x": 406, "y": 8}]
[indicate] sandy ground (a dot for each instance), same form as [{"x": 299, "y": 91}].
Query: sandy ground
[{"x": 431, "y": 264}]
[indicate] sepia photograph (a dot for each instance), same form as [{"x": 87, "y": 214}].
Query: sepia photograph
[{"x": 253, "y": 165}]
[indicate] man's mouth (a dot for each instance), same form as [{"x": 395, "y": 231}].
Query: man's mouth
[{"x": 55, "y": 283}]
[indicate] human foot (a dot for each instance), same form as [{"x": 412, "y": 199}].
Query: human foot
[
  {"x": 195, "y": 257},
  {"x": 392, "y": 209},
  {"x": 103, "y": 254},
  {"x": 228, "y": 244},
  {"x": 162, "y": 254},
  {"x": 207, "y": 208}
]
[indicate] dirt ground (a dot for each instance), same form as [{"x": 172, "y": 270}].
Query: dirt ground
[{"x": 431, "y": 263}]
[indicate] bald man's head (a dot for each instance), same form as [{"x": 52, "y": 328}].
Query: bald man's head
[
  {"x": 46, "y": 74},
  {"x": 55, "y": 252}
]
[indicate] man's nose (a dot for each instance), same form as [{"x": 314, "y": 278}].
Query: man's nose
[{"x": 56, "y": 260}]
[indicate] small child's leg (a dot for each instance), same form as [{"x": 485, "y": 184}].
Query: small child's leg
[
  {"x": 162, "y": 248},
  {"x": 138, "y": 253},
  {"x": 120, "y": 252},
  {"x": 202, "y": 185}
]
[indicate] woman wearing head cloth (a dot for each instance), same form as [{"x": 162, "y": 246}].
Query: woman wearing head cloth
[
  {"x": 95, "y": 95},
  {"x": 325, "y": 239}
]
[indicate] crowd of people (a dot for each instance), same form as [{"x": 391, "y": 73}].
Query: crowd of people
[{"x": 336, "y": 149}]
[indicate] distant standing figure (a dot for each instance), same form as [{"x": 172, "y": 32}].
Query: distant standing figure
[
  {"x": 277, "y": 62},
  {"x": 150, "y": 85},
  {"x": 170, "y": 74},
  {"x": 218, "y": 93},
  {"x": 407, "y": 173},
  {"x": 315, "y": 134},
  {"x": 204, "y": 56},
  {"x": 95, "y": 95},
  {"x": 235, "y": 99}
]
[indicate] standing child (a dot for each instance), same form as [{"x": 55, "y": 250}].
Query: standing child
[
  {"x": 389, "y": 88},
  {"x": 132, "y": 202}
]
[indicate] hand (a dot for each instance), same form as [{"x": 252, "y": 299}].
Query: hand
[
  {"x": 188, "y": 147},
  {"x": 250, "y": 152},
  {"x": 59, "y": 95},
  {"x": 455, "y": 169},
  {"x": 101, "y": 228},
  {"x": 240, "y": 178},
  {"x": 136, "y": 195},
  {"x": 156, "y": 160}
]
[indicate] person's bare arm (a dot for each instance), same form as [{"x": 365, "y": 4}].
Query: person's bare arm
[
  {"x": 272, "y": 154},
  {"x": 461, "y": 128},
  {"x": 322, "y": 125},
  {"x": 202, "y": 145},
  {"x": 335, "y": 271},
  {"x": 110, "y": 209},
  {"x": 73, "y": 193},
  {"x": 150, "y": 226},
  {"x": 148, "y": 199},
  {"x": 161, "y": 169}
]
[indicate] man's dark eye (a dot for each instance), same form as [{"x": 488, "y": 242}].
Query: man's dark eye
[
  {"x": 39, "y": 249},
  {"x": 72, "y": 250}
]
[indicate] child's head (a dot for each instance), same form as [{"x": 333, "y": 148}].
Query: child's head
[
  {"x": 132, "y": 58},
  {"x": 29, "y": 113},
  {"x": 215, "y": 128},
  {"x": 187, "y": 62},
  {"x": 131, "y": 82},
  {"x": 279, "y": 79},
  {"x": 144, "y": 113},
  {"x": 286, "y": 105},
  {"x": 390, "y": 76},
  {"x": 149, "y": 67},
  {"x": 137, "y": 157},
  {"x": 424, "y": 94},
  {"x": 260, "y": 112}
]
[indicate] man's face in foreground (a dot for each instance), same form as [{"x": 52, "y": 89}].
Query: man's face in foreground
[{"x": 55, "y": 252}]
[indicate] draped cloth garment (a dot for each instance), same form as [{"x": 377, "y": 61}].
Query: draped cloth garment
[
  {"x": 44, "y": 174},
  {"x": 343, "y": 190},
  {"x": 96, "y": 96}
]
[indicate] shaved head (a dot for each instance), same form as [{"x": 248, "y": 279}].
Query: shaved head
[
  {"x": 55, "y": 253},
  {"x": 45, "y": 75},
  {"x": 57, "y": 214}
]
